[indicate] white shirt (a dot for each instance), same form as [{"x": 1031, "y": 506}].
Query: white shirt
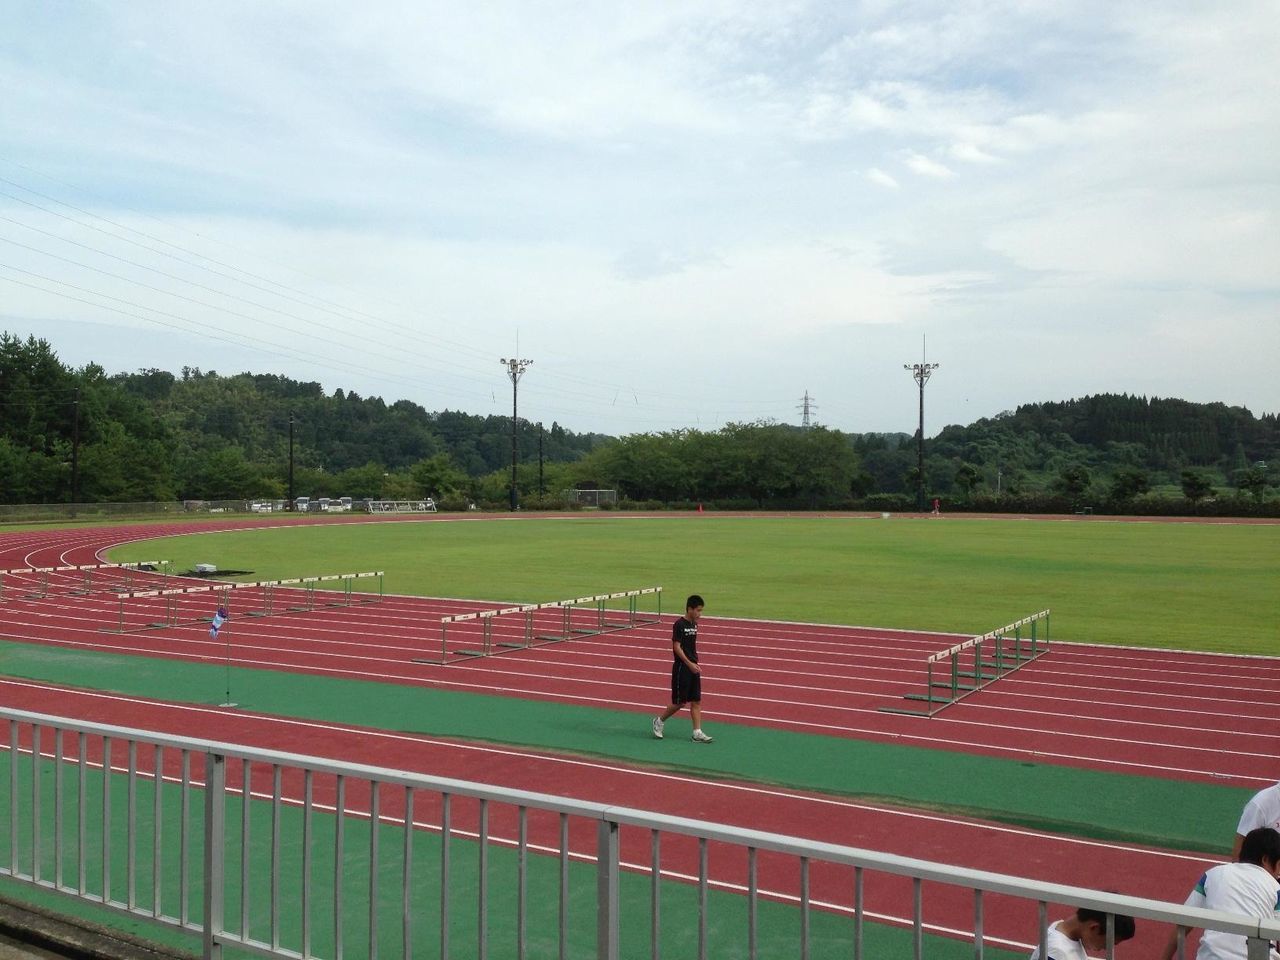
[
  {"x": 1061, "y": 947},
  {"x": 1262, "y": 811},
  {"x": 1243, "y": 888}
]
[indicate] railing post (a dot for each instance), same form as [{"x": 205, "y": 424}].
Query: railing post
[
  {"x": 607, "y": 860},
  {"x": 215, "y": 777}
]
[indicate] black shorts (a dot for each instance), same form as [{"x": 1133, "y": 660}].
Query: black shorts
[{"x": 686, "y": 686}]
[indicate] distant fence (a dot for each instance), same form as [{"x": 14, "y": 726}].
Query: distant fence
[{"x": 37, "y": 512}]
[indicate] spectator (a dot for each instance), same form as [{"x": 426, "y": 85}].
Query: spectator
[
  {"x": 1249, "y": 887},
  {"x": 1262, "y": 811},
  {"x": 1073, "y": 938}
]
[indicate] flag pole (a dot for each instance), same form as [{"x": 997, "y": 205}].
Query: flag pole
[{"x": 215, "y": 627}]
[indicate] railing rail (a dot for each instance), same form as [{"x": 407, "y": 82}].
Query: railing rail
[{"x": 234, "y": 883}]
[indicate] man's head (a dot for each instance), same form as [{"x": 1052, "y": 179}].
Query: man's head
[
  {"x": 693, "y": 607},
  {"x": 1262, "y": 847},
  {"x": 1092, "y": 925}
]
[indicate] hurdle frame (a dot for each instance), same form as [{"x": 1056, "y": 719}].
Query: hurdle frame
[
  {"x": 86, "y": 570},
  {"x": 986, "y": 667},
  {"x": 224, "y": 590},
  {"x": 602, "y": 623}
]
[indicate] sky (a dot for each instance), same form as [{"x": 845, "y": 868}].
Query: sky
[{"x": 684, "y": 214}]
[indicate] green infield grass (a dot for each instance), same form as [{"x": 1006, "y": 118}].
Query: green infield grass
[{"x": 1173, "y": 585}]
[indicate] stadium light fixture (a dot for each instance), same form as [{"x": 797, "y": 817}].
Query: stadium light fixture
[
  {"x": 920, "y": 372},
  {"x": 515, "y": 370}
]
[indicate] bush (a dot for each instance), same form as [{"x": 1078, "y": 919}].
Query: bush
[
  {"x": 625, "y": 504},
  {"x": 735, "y": 504},
  {"x": 889, "y": 502}
]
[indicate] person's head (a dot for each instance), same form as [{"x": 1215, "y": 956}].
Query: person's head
[
  {"x": 1092, "y": 925},
  {"x": 1262, "y": 847},
  {"x": 693, "y": 607}
]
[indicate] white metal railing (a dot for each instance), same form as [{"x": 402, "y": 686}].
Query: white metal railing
[{"x": 296, "y": 854}]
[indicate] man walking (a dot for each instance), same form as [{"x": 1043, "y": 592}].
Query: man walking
[{"x": 686, "y": 675}]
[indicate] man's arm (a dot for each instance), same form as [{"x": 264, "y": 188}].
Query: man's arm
[
  {"x": 1171, "y": 947},
  {"x": 678, "y": 651}
]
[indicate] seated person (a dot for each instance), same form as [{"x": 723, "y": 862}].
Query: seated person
[{"x": 1073, "y": 938}]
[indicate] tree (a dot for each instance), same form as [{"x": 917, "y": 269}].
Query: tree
[
  {"x": 967, "y": 478},
  {"x": 1196, "y": 486},
  {"x": 1251, "y": 480},
  {"x": 1073, "y": 481},
  {"x": 1127, "y": 483},
  {"x": 438, "y": 476}
]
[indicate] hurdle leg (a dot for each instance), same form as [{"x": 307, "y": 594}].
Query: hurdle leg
[{"x": 86, "y": 584}]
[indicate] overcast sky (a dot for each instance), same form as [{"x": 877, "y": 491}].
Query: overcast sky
[{"x": 683, "y": 213}]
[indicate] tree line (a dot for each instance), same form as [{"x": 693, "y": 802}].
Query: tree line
[{"x": 152, "y": 435}]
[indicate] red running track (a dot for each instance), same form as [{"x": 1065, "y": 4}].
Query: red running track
[
  {"x": 1087, "y": 706},
  {"x": 1064, "y": 708}
]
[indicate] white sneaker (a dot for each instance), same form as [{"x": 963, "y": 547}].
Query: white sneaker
[
  {"x": 657, "y": 727},
  {"x": 700, "y": 737}
]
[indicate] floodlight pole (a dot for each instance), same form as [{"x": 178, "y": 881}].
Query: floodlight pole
[
  {"x": 515, "y": 370},
  {"x": 289, "y": 505},
  {"x": 920, "y": 372},
  {"x": 75, "y": 452}
]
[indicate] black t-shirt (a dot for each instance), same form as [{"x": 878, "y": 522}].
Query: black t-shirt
[{"x": 685, "y": 633}]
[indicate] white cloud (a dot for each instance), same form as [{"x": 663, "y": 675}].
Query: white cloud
[
  {"x": 926, "y": 167},
  {"x": 876, "y": 175},
  {"x": 970, "y": 153}
]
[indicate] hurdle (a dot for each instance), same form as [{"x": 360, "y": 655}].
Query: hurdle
[
  {"x": 171, "y": 615},
  {"x": 978, "y": 662},
  {"x": 85, "y": 587},
  {"x": 600, "y": 618}
]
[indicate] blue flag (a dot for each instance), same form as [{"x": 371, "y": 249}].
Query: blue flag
[{"x": 218, "y": 620}]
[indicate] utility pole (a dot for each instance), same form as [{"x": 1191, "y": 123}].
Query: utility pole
[
  {"x": 807, "y": 407},
  {"x": 920, "y": 372},
  {"x": 75, "y": 451},
  {"x": 289, "y": 505},
  {"x": 542, "y": 487},
  {"x": 515, "y": 370}
]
